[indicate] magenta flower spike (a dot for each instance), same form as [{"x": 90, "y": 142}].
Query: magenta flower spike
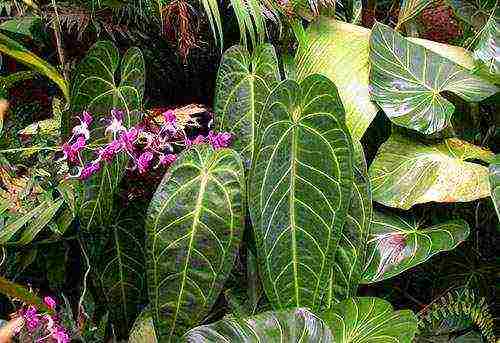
[
  {"x": 50, "y": 302},
  {"x": 168, "y": 159},
  {"x": 90, "y": 170},
  {"x": 143, "y": 161},
  {"x": 115, "y": 125}
]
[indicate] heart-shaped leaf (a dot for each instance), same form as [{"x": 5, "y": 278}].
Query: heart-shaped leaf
[
  {"x": 194, "y": 225},
  {"x": 407, "y": 172},
  {"x": 495, "y": 183},
  {"x": 244, "y": 82},
  {"x": 369, "y": 320},
  {"x": 486, "y": 50},
  {"x": 407, "y": 81},
  {"x": 340, "y": 52},
  {"x": 397, "y": 244},
  {"x": 290, "y": 326},
  {"x": 300, "y": 190}
]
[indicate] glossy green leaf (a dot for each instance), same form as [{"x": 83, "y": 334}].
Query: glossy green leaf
[
  {"x": 407, "y": 81},
  {"x": 369, "y": 320},
  {"x": 454, "y": 53},
  {"x": 473, "y": 12},
  {"x": 15, "y": 50},
  {"x": 300, "y": 190},
  {"x": 194, "y": 226},
  {"x": 40, "y": 221},
  {"x": 407, "y": 172},
  {"x": 244, "y": 82},
  {"x": 397, "y": 244},
  {"x": 495, "y": 183},
  {"x": 290, "y": 326},
  {"x": 486, "y": 50},
  {"x": 410, "y": 9},
  {"x": 340, "y": 52}
]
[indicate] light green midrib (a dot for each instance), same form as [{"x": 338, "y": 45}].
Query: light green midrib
[{"x": 292, "y": 212}]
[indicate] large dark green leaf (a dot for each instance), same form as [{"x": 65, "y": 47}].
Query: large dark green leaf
[
  {"x": 407, "y": 81},
  {"x": 397, "y": 244},
  {"x": 486, "y": 50},
  {"x": 194, "y": 225},
  {"x": 290, "y": 326},
  {"x": 369, "y": 320},
  {"x": 244, "y": 82},
  {"x": 474, "y": 12},
  {"x": 340, "y": 52},
  {"x": 300, "y": 190},
  {"x": 495, "y": 183},
  {"x": 407, "y": 172}
]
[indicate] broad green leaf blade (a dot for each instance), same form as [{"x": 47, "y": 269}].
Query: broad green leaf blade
[
  {"x": 473, "y": 12},
  {"x": 454, "y": 53},
  {"x": 487, "y": 49},
  {"x": 397, "y": 244},
  {"x": 121, "y": 272},
  {"x": 407, "y": 172},
  {"x": 410, "y": 9},
  {"x": 300, "y": 190},
  {"x": 15, "y": 50},
  {"x": 40, "y": 221},
  {"x": 369, "y": 320},
  {"x": 495, "y": 183},
  {"x": 194, "y": 226},
  {"x": 22, "y": 25},
  {"x": 244, "y": 82},
  {"x": 290, "y": 326},
  {"x": 407, "y": 81},
  {"x": 340, "y": 52}
]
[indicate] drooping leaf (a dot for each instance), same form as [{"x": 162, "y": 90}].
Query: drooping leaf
[
  {"x": 487, "y": 49},
  {"x": 369, "y": 320},
  {"x": 15, "y": 50},
  {"x": 397, "y": 244},
  {"x": 473, "y": 12},
  {"x": 194, "y": 225},
  {"x": 291, "y": 326},
  {"x": 340, "y": 52},
  {"x": 244, "y": 82},
  {"x": 410, "y": 9},
  {"x": 300, "y": 190},
  {"x": 407, "y": 172},
  {"x": 407, "y": 80},
  {"x": 495, "y": 183}
]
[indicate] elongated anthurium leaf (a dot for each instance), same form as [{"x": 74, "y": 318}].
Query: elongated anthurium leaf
[
  {"x": 407, "y": 80},
  {"x": 122, "y": 273},
  {"x": 397, "y": 244},
  {"x": 300, "y": 190},
  {"x": 194, "y": 225},
  {"x": 495, "y": 183},
  {"x": 15, "y": 50},
  {"x": 96, "y": 89},
  {"x": 473, "y": 12},
  {"x": 340, "y": 52},
  {"x": 291, "y": 326},
  {"x": 486, "y": 50},
  {"x": 407, "y": 172},
  {"x": 244, "y": 82},
  {"x": 369, "y": 320},
  {"x": 410, "y": 9}
]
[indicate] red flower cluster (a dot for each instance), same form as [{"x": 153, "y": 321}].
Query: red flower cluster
[{"x": 439, "y": 23}]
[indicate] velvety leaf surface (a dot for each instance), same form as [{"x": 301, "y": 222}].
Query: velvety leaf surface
[
  {"x": 407, "y": 172},
  {"x": 244, "y": 82},
  {"x": 407, "y": 80},
  {"x": 300, "y": 190},
  {"x": 294, "y": 325},
  {"x": 369, "y": 320},
  {"x": 194, "y": 225},
  {"x": 487, "y": 49},
  {"x": 398, "y": 243},
  {"x": 495, "y": 183},
  {"x": 340, "y": 52}
]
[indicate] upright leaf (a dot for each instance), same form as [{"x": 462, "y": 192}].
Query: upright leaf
[
  {"x": 300, "y": 190},
  {"x": 340, "y": 52},
  {"x": 369, "y": 320},
  {"x": 243, "y": 84},
  {"x": 397, "y": 244},
  {"x": 495, "y": 183},
  {"x": 291, "y": 326},
  {"x": 407, "y": 80},
  {"x": 194, "y": 225},
  {"x": 487, "y": 49},
  {"x": 407, "y": 172}
]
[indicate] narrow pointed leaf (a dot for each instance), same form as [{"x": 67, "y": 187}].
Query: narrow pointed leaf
[
  {"x": 408, "y": 79},
  {"x": 369, "y": 320},
  {"x": 340, "y": 52},
  {"x": 487, "y": 49},
  {"x": 291, "y": 326},
  {"x": 244, "y": 82},
  {"x": 40, "y": 221},
  {"x": 397, "y": 244},
  {"x": 300, "y": 190},
  {"x": 407, "y": 172},
  {"x": 194, "y": 225},
  {"x": 495, "y": 183}
]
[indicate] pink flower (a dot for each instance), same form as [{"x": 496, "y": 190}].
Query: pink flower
[
  {"x": 51, "y": 303},
  {"x": 87, "y": 118},
  {"x": 170, "y": 121},
  {"x": 71, "y": 152},
  {"x": 128, "y": 138},
  {"x": 143, "y": 161},
  {"x": 83, "y": 128},
  {"x": 219, "y": 140},
  {"x": 90, "y": 170},
  {"x": 109, "y": 151},
  {"x": 31, "y": 318},
  {"x": 59, "y": 334},
  {"x": 198, "y": 140},
  {"x": 167, "y": 159},
  {"x": 115, "y": 125}
]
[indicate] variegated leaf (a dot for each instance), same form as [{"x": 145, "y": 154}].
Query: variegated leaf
[
  {"x": 407, "y": 172},
  {"x": 194, "y": 225},
  {"x": 495, "y": 183},
  {"x": 457, "y": 54},
  {"x": 407, "y": 81},
  {"x": 487, "y": 50},
  {"x": 397, "y": 244},
  {"x": 300, "y": 190}
]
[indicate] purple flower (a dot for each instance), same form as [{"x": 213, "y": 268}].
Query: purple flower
[
  {"x": 51, "y": 303},
  {"x": 198, "y": 140},
  {"x": 89, "y": 170},
  {"x": 71, "y": 152},
  {"x": 128, "y": 138},
  {"x": 170, "y": 121},
  {"x": 219, "y": 140},
  {"x": 86, "y": 118},
  {"x": 168, "y": 159},
  {"x": 31, "y": 318},
  {"x": 59, "y": 334},
  {"x": 109, "y": 151},
  {"x": 83, "y": 128},
  {"x": 115, "y": 125},
  {"x": 143, "y": 161}
]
